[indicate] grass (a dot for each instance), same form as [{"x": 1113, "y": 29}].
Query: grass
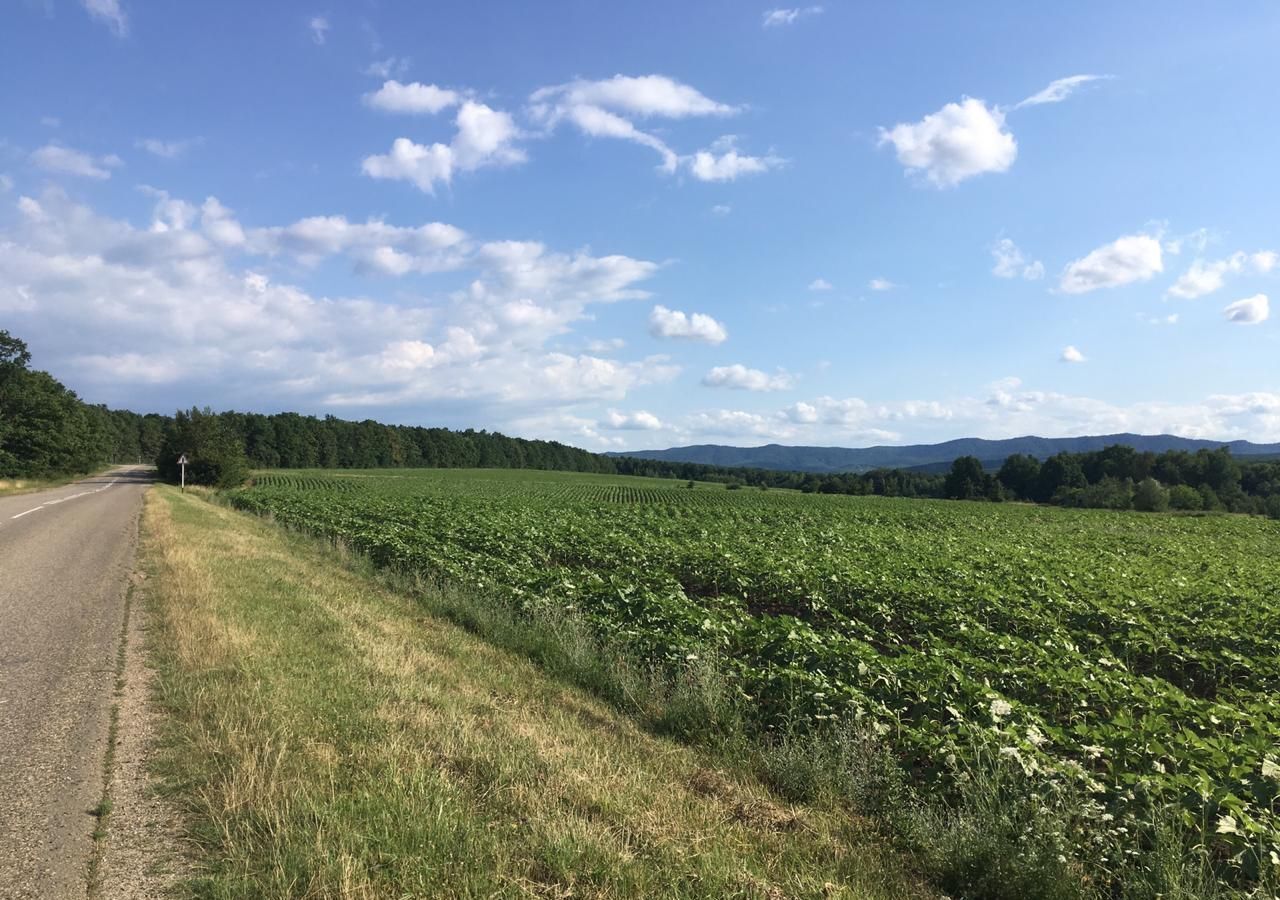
[{"x": 327, "y": 737}]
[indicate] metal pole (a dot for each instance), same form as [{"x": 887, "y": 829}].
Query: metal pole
[{"x": 184, "y": 478}]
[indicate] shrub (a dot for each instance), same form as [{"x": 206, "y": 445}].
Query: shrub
[{"x": 1150, "y": 496}]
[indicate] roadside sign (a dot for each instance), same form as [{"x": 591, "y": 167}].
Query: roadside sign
[{"x": 182, "y": 461}]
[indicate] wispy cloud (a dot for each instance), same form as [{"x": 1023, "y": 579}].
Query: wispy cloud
[
  {"x": 775, "y": 18},
  {"x": 110, "y": 13},
  {"x": 1059, "y": 90}
]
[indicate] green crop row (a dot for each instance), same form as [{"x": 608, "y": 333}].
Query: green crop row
[{"x": 1137, "y": 656}]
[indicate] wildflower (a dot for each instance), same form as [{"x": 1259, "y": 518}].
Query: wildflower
[
  {"x": 1000, "y": 709},
  {"x": 1035, "y": 737},
  {"x": 1227, "y": 825},
  {"x": 1093, "y": 751}
]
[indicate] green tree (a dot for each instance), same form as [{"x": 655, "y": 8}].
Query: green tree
[
  {"x": 966, "y": 480},
  {"x": 1184, "y": 497},
  {"x": 215, "y": 453},
  {"x": 1150, "y": 496},
  {"x": 1019, "y": 475}
]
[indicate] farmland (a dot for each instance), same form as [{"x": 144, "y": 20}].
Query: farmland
[{"x": 1134, "y": 656}]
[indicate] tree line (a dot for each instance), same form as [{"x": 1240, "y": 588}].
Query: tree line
[{"x": 46, "y": 430}]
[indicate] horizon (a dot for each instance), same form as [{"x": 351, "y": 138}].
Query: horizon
[{"x": 583, "y": 225}]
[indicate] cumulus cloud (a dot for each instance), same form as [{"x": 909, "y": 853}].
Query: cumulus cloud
[
  {"x": 1071, "y": 355},
  {"x": 671, "y": 323},
  {"x": 722, "y": 162},
  {"x": 415, "y": 99},
  {"x": 774, "y": 18},
  {"x": 80, "y": 282},
  {"x": 1059, "y": 90},
  {"x": 609, "y": 107},
  {"x": 319, "y": 28},
  {"x": 1010, "y": 263},
  {"x": 640, "y": 420},
  {"x": 110, "y": 13},
  {"x": 1250, "y": 311},
  {"x": 959, "y": 141},
  {"x": 1205, "y": 277},
  {"x": 881, "y": 284},
  {"x": 1135, "y": 257},
  {"x": 484, "y": 137},
  {"x": 820, "y": 284},
  {"x": 64, "y": 161},
  {"x": 741, "y": 378}
]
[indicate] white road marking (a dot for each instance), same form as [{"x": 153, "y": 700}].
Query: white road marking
[{"x": 65, "y": 499}]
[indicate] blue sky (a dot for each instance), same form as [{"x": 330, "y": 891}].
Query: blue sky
[{"x": 638, "y": 225}]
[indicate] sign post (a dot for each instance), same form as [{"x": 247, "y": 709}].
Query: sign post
[{"x": 182, "y": 461}]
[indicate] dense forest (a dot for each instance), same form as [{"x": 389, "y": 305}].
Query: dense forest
[{"x": 46, "y": 430}]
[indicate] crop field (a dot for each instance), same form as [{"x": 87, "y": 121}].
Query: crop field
[{"x": 1134, "y": 655}]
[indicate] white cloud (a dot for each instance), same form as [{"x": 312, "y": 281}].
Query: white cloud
[
  {"x": 607, "y": 345},
  {"x": 801, "y": 413},
  {"x": 484, "y": 137},
  {"x": 1059, "y": 90},
  {"x": 65, "y": 161},
  {"x": 640, "y": 420},
  {"x": 416, "y": 98},
  {"x": 722, "y": 162},
  {"x": 741, "y": 378},
  {"x": 881, "y": 284},
  {"x": 108, "y": 11},
  {"x": 670, "y": 323},
  {"x": 219, "y": 225},
  {"x": 181, "y": 316},
  {"x": 6, "y": 184},
  {"x": 1071, "y": 355},
  {"x": 1250, "y": 311},
  {"x": 959, "y": 141},
  {"x": 319, "y": 28},
  {"x": 1135, "y": 257},
  {"x": 166, "y": 149},
  {"x": 644, "y": 96},
  {"x": 776, "y": 17},
  {"x": 820, "y": 284},
  {"x": 387, "y": 68},
  {"x": 1010, "y": 263},
  {"x": 607, "y": 107},
  {"x": 721, "y": 209},
  {"x": 1206, "y": 277}
]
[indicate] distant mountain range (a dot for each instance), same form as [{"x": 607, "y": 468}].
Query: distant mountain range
[{"x": 930, "y": 457}]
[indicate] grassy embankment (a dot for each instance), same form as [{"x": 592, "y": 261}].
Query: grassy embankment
[{"x": 329, "y": 739}]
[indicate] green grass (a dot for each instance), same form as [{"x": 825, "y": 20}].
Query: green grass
[{"x": 327, "y": 737}]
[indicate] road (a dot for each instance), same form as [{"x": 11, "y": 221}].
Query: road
[{"x": 65, "y": 559}]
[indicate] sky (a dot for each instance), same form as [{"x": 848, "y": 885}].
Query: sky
[{"x": 639, "y": 225}]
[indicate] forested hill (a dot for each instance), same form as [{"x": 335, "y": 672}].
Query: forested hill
[{"x": 930, "y": 456}]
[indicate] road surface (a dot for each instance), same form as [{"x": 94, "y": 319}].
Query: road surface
[{"x": 65, "y": 559}]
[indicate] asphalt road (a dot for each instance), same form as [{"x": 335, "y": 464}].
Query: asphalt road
[{"x": 65, "y": 560}]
